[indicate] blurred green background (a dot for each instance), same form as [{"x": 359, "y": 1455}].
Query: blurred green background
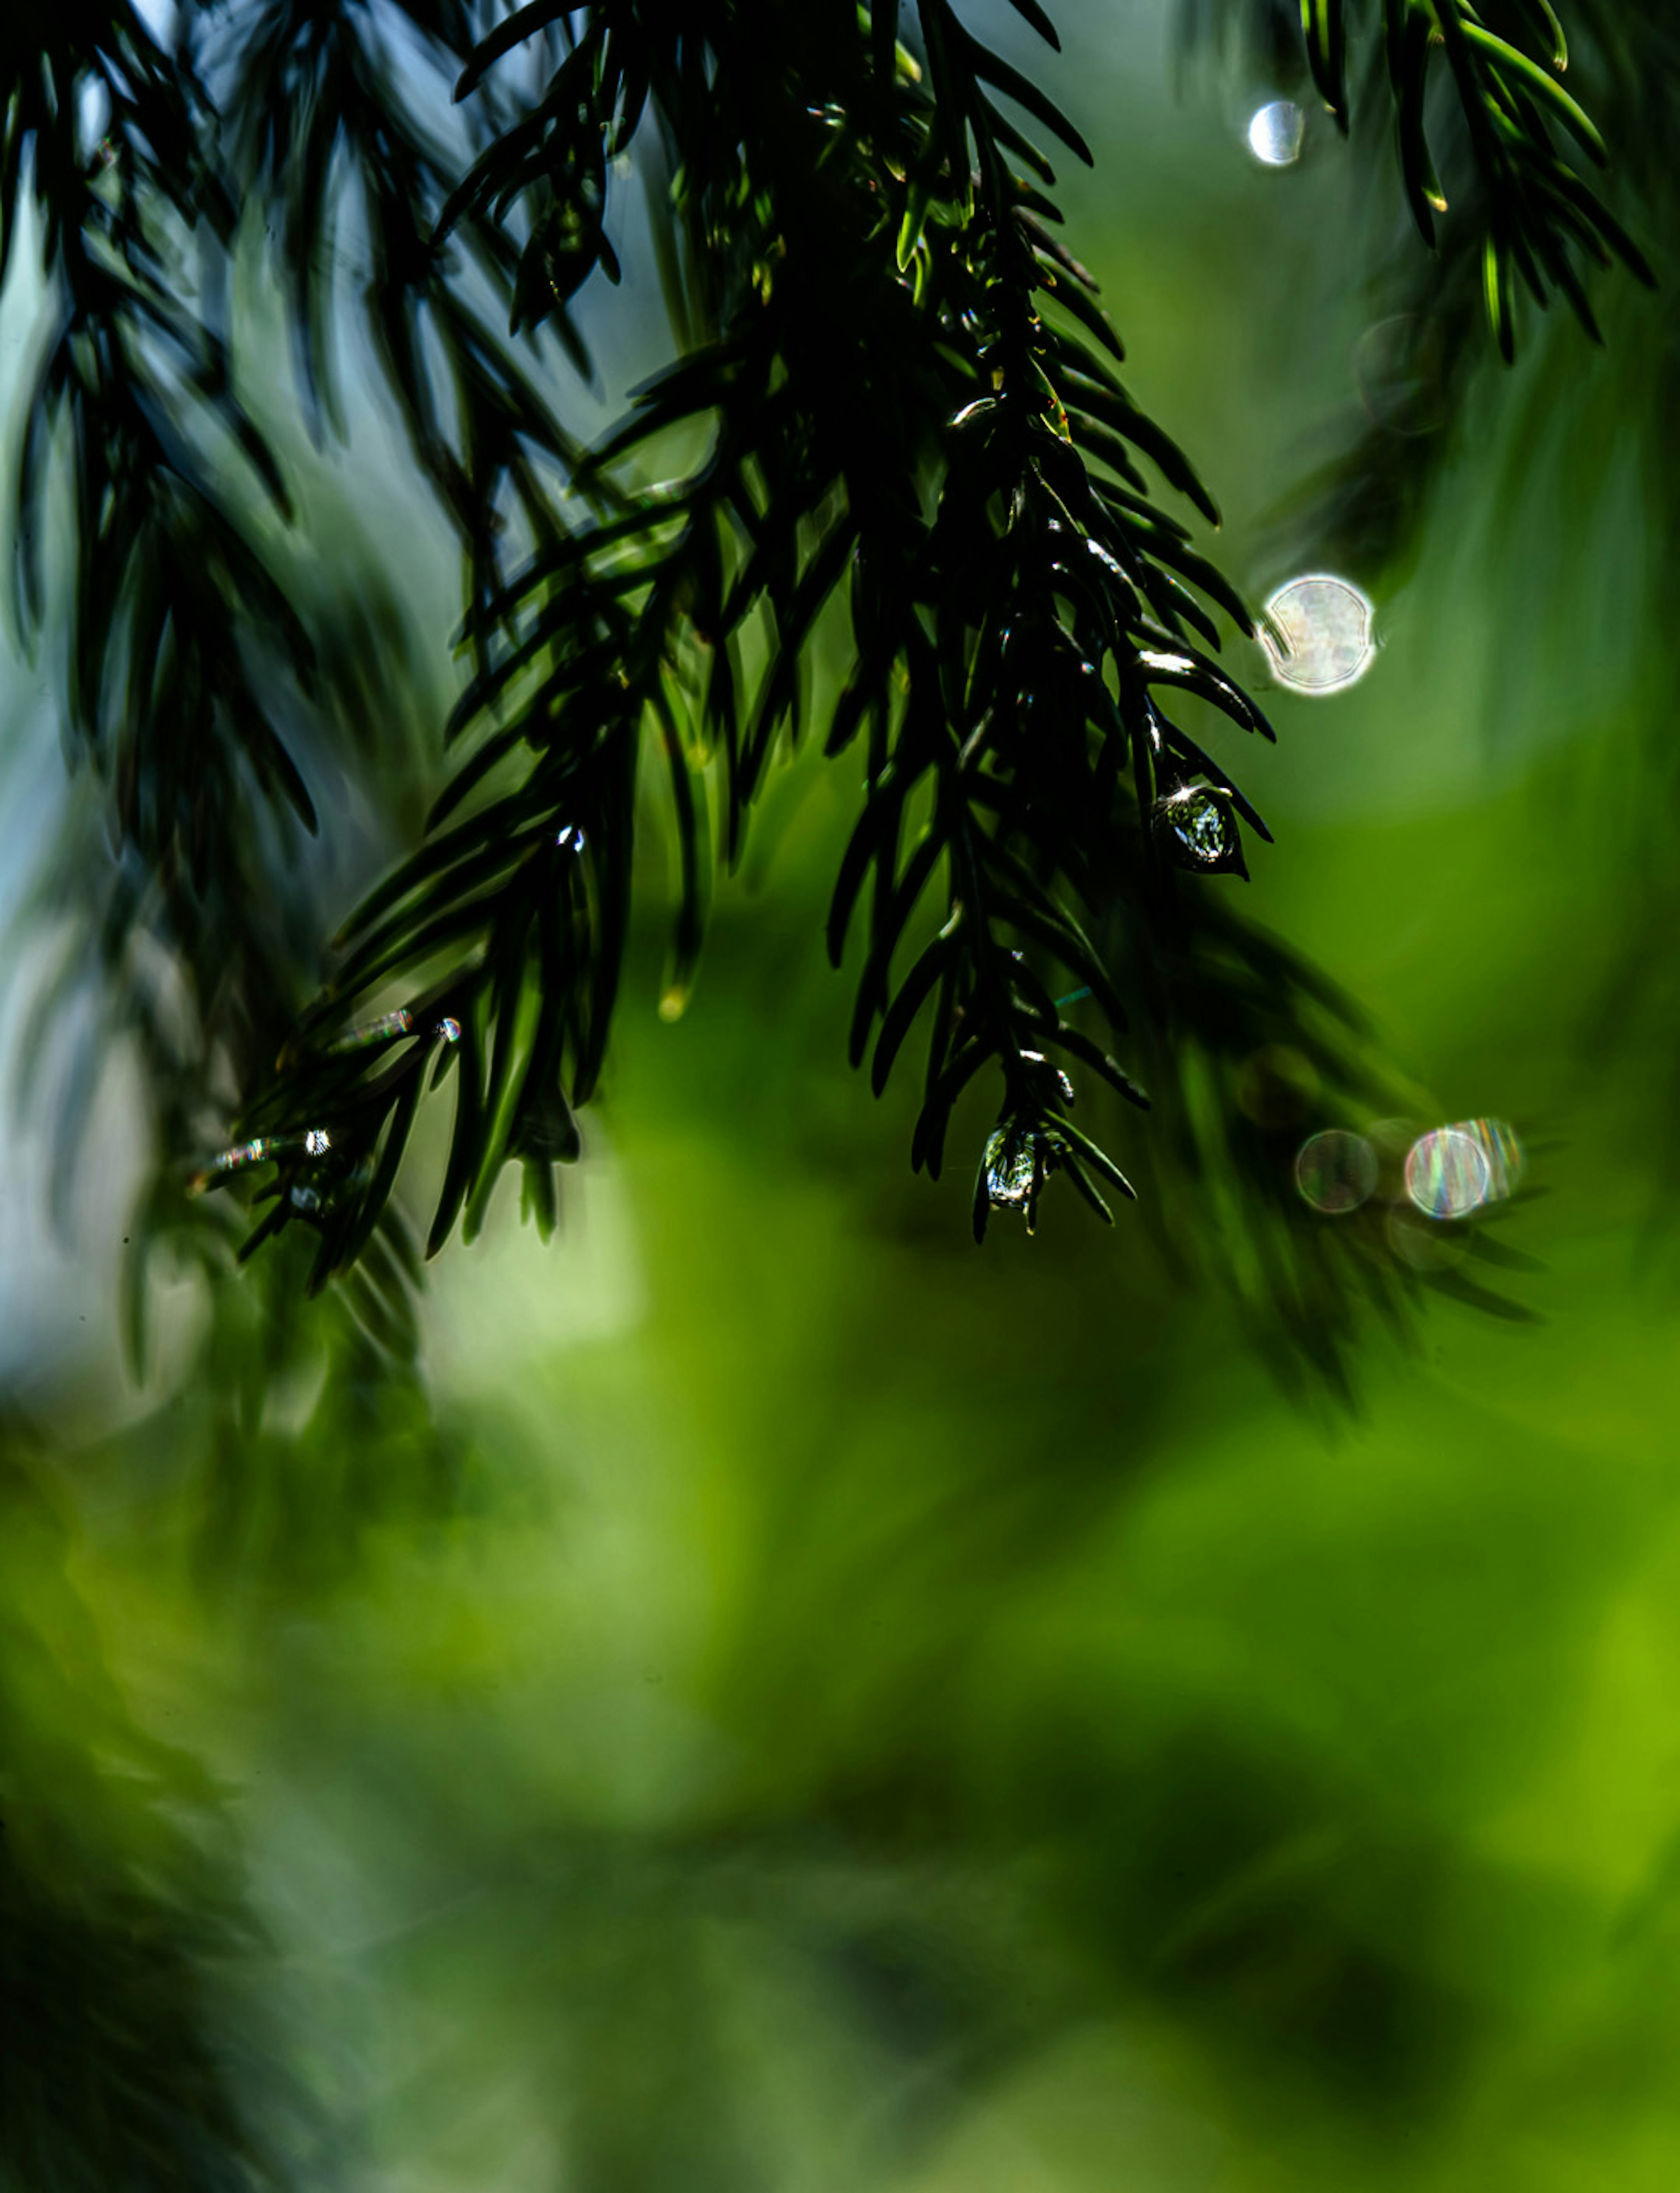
[{"x": 772, "y": 1697}]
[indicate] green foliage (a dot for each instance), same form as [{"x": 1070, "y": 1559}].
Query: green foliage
[{"x": 131, "y": 2055}]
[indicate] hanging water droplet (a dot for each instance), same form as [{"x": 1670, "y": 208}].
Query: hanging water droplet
[
  {"x": 1274, "y": 134},
  {"x": 305, "y": 1199},
  {"x": 450, "y": 1028},
  {"x": 1200, "y": 825},
  {"x": 318, "y": 1141},
  {"x": 571, "y": 838},
  {"x": 1011, "y": 1168}
]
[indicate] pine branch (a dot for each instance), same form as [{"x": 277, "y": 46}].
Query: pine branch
[
  {"x": 881, "y": 344},
  {"x": 900, "y": 435}
]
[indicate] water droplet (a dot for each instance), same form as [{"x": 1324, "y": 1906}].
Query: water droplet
[
  {"x": 674, "y": 1003},
  {"x": 1336, "y": 1171},
  {"x": 571, "y": 838},
  {"x": 1447, "y": 1173},
  {"x": 304, "y": 1199},
  {"x": 1326, "y": 641},
  {"x": 376, "y": 1031},
  {"x": 450, "y": 1028},
  {"x": 1199, "y": 825},
  {"x": 318, "y": 1141},
  {"x": 1274, "y": 134},
  {"x": 1012, "y": 1169}
]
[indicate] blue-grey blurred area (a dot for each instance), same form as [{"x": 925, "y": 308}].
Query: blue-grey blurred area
[{"x": 758, "y": 1696}]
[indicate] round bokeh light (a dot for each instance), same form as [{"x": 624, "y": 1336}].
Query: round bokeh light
[
  {"x": 1447, "y": 1173},
  {"x": 1336, "y": 1171},
  {"x": 1318, "y": 635},
  {"x": 1274, "y": 134}
]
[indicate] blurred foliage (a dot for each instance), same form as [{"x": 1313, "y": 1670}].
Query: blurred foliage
[{"x": 134, "y": 2051}]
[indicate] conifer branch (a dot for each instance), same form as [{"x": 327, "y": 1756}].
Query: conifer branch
[
  {"x": 910, "y": 404},
  {"x": 898, "y": 435}
]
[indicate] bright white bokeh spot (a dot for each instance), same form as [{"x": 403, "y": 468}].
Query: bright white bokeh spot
[
  {"x": 1336, "y": 1171},
  {"x": 1447, "y": 1173},
  {"x": 1274, "y": 134},
  {"x": 1322, "y": 639}
]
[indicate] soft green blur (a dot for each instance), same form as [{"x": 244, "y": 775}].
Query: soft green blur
[{"x": 813, "y": 1706}]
